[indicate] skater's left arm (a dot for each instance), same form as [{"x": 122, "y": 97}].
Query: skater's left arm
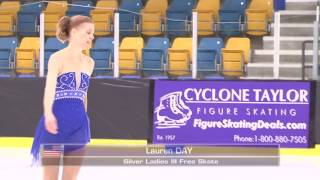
[{"x": 90, "y": 67}]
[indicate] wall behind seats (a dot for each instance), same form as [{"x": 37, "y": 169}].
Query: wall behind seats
[
  {"x": 118, "y": 109},
  {"x": 20, "y": 106}
]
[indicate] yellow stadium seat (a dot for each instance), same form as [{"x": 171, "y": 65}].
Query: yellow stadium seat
[
  {"x": 107, "y": 5},
  {"x": 27, "y": 55},
  {"x": 31, "y": 43},
  {"x": 50, "y": 22},
  {"x": 6, "y": 24},
  {"x": 130, "y": 55},
  {"x": 57, "y": 6},
  {"x": 208, "y": 13},
  {"x": 8, "y": 15},
  {"x": 232, "y": 63},
  {"x": 103, "y": 16},
  {"x": 153, "y": 16},
  {"x": 237, "y": 43},
  {"x": 102, "y": 22},
  {"x": 10, "y": 6},
  {"x": 180, "y": 57},
  {"x": 54, "y": 11},
  {"x": 235, "y": 55},
  {"x": 258, "y": 16}
]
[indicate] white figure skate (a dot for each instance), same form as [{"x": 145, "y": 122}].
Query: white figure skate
[{"x": 172, "y": 112}]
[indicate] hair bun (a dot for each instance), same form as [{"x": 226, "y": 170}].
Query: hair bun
[
  {"x": 63, "y": 28},
  {"x": 66, "y": 24}
]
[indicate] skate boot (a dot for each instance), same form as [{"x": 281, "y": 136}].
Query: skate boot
[{"x": 172, "y": 110}]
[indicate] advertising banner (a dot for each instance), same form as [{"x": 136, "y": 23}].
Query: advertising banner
[{"x": 232, "y": 113}]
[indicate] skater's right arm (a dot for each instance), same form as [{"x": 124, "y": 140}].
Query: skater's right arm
[{"x": 49, "y": 94}]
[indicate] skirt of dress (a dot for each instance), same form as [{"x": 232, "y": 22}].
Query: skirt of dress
[{"x": 73, "y": 128}]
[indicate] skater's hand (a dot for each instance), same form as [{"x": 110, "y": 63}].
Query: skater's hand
[{"x": 50, "y": 123}]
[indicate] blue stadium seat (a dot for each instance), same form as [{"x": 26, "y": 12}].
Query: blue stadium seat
[
  {"x": 83, "y": 7},
  {"x": 33, "y": 7},
  {"x": 28, "y": 20},
  {"x": 102, "y": 53},
  {"x": 209, "y": 54},
  {"x": 7, "y": 53},
  {"x": 232, "y": 14},
  {"x": 129, "y": 17},
  {"x": 51, "y": 46},
  {"x": 179, "y": 14},
  {"x": 154, "y": 55}
]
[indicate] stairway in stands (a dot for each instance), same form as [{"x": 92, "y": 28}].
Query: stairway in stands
[{"x": 296, "y": 27}]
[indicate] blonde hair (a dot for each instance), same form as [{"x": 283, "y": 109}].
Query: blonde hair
[{"x": 66, "y": 24}]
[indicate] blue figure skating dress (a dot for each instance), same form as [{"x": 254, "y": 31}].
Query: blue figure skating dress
[{"x": 69, "y": 110}]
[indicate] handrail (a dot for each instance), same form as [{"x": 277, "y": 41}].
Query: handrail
[{"x": 303, "y": 62}]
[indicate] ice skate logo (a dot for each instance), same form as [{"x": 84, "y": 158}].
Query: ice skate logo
[{"x": 172, "y": 112}]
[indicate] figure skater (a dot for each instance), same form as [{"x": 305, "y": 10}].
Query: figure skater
[{"x": 65, "y": 119}]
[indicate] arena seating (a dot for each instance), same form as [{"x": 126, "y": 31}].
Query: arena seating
[
  {"x": 179, "y": 15},
  {"x": 154, "y": 56},
  {"x": 208, "y": 15},
  {"x": 180, "y": 57},
  {"x": 103, "y": 17},
  {"x": 7, "y": 52},
  {"x": 235, "y": 55},
  {"x": 209, "y": 55},
  {"x": 232, "y": 16},
  {"x": 27, "y": 55},
  {"x": 153, "y": 16},
  {"x": 164, "y": 26},
  {"x": 28, "y": 20},
  {"x": 258, "y": 17},
  {"x": 54, "y": 11},
  {"x": 130, "y": 52},
  {"x": 83, "y": 7},
  {"x": 129, "y": 16},
  {"x": 8, "y": 17},
  {"x": 102, "y": 53}
]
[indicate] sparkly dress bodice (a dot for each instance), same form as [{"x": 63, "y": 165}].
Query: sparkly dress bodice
[{"x": 66, "y": 87}]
